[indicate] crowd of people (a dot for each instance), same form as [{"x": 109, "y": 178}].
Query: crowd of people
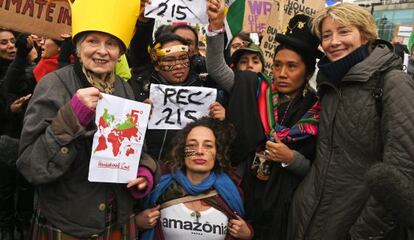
[{"x": 274, "y": 158}]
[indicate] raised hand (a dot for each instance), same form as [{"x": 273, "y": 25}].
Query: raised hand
[{"x": 215, "y": 12}]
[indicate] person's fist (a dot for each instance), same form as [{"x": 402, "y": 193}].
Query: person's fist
[{"x": 89, "y": 96}]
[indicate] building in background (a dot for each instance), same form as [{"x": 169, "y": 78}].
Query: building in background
[{"x": 393, "y": 17}]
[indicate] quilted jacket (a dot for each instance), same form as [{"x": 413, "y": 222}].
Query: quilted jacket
[{"x": 361, "y": 185}]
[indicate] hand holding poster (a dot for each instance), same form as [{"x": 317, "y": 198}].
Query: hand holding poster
[
  {"x": 178, "y": 10},
  {"x": 173, "y": 107},
  {"x": 117, "y": 143}
]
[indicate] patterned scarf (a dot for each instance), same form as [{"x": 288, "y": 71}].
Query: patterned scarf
[
  {"x": 106, "y": 85},
  {"x": 268, "y": 105}
]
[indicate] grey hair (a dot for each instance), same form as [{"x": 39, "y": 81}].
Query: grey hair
[{"x": 80, "y": 37}]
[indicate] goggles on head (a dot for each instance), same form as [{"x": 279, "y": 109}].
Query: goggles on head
[{"x": 157, "y": 52}]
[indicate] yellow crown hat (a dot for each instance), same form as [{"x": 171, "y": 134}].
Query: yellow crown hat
[{"x": 115, "y": 17}]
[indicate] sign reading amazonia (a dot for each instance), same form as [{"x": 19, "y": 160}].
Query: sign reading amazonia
[{"x": 36, "y": 16}]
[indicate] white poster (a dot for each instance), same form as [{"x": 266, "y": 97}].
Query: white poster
[
  {"x": 192, "y": 11},
  {"x": 405, "y": 62},
  {"x": 118, "y": 141},
  {"x": 173, "y": 107}
]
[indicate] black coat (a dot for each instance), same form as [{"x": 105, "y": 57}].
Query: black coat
[
  {"x": 266, "y": 202},
  {"x": 18, "y": 81}
]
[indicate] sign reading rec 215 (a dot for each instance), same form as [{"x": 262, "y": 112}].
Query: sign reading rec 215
[
  {"x": 193, "y": 11},
  {"x": 175, "y": 106}
]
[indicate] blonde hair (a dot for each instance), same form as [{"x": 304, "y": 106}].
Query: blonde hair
[{"x": 347, "y": 14}]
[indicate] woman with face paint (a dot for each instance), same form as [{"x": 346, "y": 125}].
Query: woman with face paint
[
  {"x": 197, "y": 197},
  {"x": 170, "y": 66}
]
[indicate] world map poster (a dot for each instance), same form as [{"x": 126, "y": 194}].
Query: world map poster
[{"x": 117, "y": 144}]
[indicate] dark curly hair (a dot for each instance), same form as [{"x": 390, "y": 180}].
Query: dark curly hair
[{"x": 224, "y": 133}]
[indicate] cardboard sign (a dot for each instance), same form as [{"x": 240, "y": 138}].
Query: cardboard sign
[
  {"x": 268, "y": 44},
  {"x": 279, "y": 19},
  {"x": 256, "y": 14},
  {"x": 117, "y": 143},
  {"x": 192, "y": 11},
  {"x": 173, "y": 107},
  {"x": 36, "y": 16}
]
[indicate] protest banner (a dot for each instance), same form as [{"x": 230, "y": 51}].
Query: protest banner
[
  {"x": 118, "y": 141},
  {"x": 178, "y": 10},
  {"x": 36, "y": 16},
  {"x": 256, "y": 14},
  {"x": 279, "y": 19},
  {"x": 173, "y": 106}
]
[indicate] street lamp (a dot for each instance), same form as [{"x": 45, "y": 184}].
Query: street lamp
[{"x": 383, "y": 21}]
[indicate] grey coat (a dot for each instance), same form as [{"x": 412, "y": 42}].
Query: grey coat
[
  {"x": 353, "y": 190},
  {"x": 55, "y": 152}
]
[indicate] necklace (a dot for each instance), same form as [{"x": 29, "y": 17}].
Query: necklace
[
  {"x": 196, "y": 207},
  {"x": 286, "y": 110},
  {"x": 196, "y": 214}
]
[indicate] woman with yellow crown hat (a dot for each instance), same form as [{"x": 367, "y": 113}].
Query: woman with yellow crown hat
[{"x": 58, "y": 131}]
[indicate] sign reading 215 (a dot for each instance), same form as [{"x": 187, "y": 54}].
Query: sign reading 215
[{"x": 192, "y": 11}]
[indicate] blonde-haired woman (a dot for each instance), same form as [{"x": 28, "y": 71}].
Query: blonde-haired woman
[{"x": 361, "y": 183}]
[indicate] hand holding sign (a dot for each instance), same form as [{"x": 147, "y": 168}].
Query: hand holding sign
[
  {"x": 178, "y": 10},
  {"x": 89, "y": 96},
  {"x": 215, "y": 12},
  {"x": 217, "y": 111}
]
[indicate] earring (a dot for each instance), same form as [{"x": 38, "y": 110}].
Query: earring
[{"x": 305, "y": 89}]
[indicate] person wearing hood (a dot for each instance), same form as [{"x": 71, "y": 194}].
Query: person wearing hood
[{"x": 361, "y": 183}]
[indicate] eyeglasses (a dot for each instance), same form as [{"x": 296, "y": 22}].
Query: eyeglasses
[{"x": 239, "y": 45}]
